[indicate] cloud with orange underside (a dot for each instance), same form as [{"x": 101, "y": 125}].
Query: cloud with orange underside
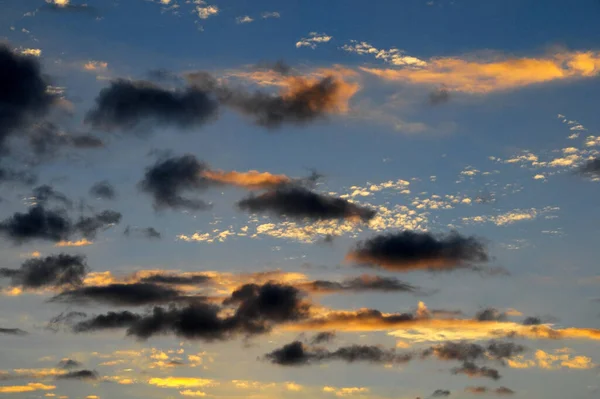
[
  {"x": 81, "y": 243},
  {"x": 252, "y": 179},
  {"x": 480, "y": 76}
]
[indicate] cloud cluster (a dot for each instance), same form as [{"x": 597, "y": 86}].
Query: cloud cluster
[{"x": 51, "y": 271}]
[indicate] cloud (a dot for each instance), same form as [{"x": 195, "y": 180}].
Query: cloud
[
  {"x": 590, "y": 168},
  {"x": 126, "y": 104},
  {"x": 146, "y": 232},
  {"x": 104, "y": 190},
  {"x": 31, "y": 387},
  {"x": 392, "y": 56},
  {"x": 46, "y": 138},
  {"x": 206, "y": 11},
  {"x": 246, "y": 19},
  {"x": 472, "y": 370},
  {"x": 181, "y": 382},
  {"x": 137, "y": 294},
  {"x": 362, "y": 283},
  {"x": 163, "y": 278},
  {"x": 252, "y": 179},
  {"x": 313, "y": 40},
  {"x": 168, "y": 178},
  {"x": 481, "y": 75},
  {"x": 468, "y": 352},
  {"x": 45, "y": 193},
  {"x": 78, "y": 375},
  {"x": 490, "y": 314},
  {"x": 18, "y": 176},
  {"x": 273, "y": 14},
  {"x": 409, "y": 251},
  {"x": 66, "y": 6},
  {"x": 54, "y": 225},
  {"x": 440, "y": 393},
  {"x": 484, "y": 390},
  {"x": 24, "y": 98},
  {"x": 110, "y": 320},
  {"x": 12, "y": 331},
  {"x": 299, "y": 203},
  {"x": 51, "y": 271},
  {"x": 323, "y": 337},
  {"x": 439, "y": 96},
  {"x": 296, "y": 354},
  {"x": 68, "y": 364}
]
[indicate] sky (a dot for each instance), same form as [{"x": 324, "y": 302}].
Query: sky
[{"x": 266, "y": 199}]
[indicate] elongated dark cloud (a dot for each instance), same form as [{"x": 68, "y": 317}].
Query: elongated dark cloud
[
  {"x": 408, "y": 251},
  {"x": 45, "y": 193},
  {"x": 300, "y": 203},
  {"x": 8, "y": 174},
  {"x": 23, "y": 95},
  {"x": 167, "y": 179},
  {"x": 137, "y": 294},
  {"x": 590, "y": 168},
  {"x": 104, "y": 190},
  {"x": 360, "y": 284},
  {"x": 47, "y": 138},
  {"x": 297, "y": 354},
  {"x": 145, "y": 232},
  {"x": 323, "y": 337},
  {"x": 54, "y": 225},
  {"x": 468, "y": 352},
  {"x": 12, "y": 331},
  {"x": 490, "y": 314},
  {"x": 126, "y": 104},
  {"x": 440, "y": 393},
  {"x": 51, "y": 271},
  {"x": 108, "y": 321},
  {"x": 68, "y": 364},
  {"x": 480, "y": 390},
  {"x": 472, "y": 370},
  {"x": 78, "y": 375},
  {"x": 161, "y": 278}
]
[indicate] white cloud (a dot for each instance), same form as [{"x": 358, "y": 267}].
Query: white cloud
[
  {"x": 273, "y": 14},
  {"x": 392, "y": 56},
  {"x": 313, "y": 39},
  {"x": 246, "y": 19},
  {"x": 204, "y": 10}
]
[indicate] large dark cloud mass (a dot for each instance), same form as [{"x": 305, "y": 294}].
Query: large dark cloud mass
[
  {"x": 167, "y": 179},
  {"x": 296, "y": 354},
  {"x": 300, "y": 203},
  {"x": 54, "y": 224},
  {"x": 126, "y": 104},
  {"x": 108, "y": 321},
  {"x": 23, "y": 95},
  {"x": 137, "y": 294},
  {"x": 51, "y": 271},
  {"x": 409, "y": 250}
]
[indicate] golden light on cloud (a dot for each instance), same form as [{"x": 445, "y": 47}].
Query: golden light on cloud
[
  {"x": 347, "y": 391},
  {"x": 189, "y": 392},
  {"x": 81, "y": 243},
  {"x": 31, "y": 387},
  {"x": 95, "y": 66},
  {"x": 490, "y": 75},
  {"x": 559, "y": 360},
  {"x": 252, "y": 179},
  {"x": 36, "y": 52},
  {"x": 181, "y": 382}
]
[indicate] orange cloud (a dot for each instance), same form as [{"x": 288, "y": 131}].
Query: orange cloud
[
  {"x": 252, "y": 179},
  {"x": 81, "y": 243},
  {"x": 31, "y": 387},
  {"x": 484, "y": 76},
  {"x": 180, "y": 382}
]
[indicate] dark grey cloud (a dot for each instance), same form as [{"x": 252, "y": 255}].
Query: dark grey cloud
[
  {"x": 440, "y": 393},
  {"x": 8, "y": 174},
  {"x": 323, "y": 337},
  {"x": 297, "y": 354},
  {"x": 472, "y": 370},
  {"x": 490, "y": 314},
  {"x": 46, "y": 139},
  {"x": 439, "y": 96},
  {"x": 12, "y": 331},
  {"x": 296, "y": 202},
  {"x": 167, "y": 179},
  {"x": 104, "y": 190},
  {"x": 590, "y": 168},
  {"x": 85, "y": 375},
  {"x": 40, "y": 223},
  {"x": 361, "y": 284},
  {"x": 137, "y": 294},
  {"x": 468, "y": 352},
  {"x": 145, "y": 232},
  {"x": 108, "y": 321},
  {"x": 23, "y": 95},
  {"x": 45, "y": 193},
  {"x": 69, "y": 364},
  {"x": 409, "y": 251},
  {"x": 480, "y": 390},
  {"x": 161, "y": 278},
  {"x": 532, "y": 321},
  {"x": 127, "y": 104},
  {"x": 51, "y": 271},
  {"x": 64, "y": 319}
]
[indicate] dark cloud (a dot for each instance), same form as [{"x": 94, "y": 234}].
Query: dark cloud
[
  {"x": 167, "y": 179},
  {"x": 468, "y": 352},
  {"x": 440, "y": 393},
  {"x": 472, "y": 370},
  {"x": 490, "y": 314},
  {"x": 504, "y": 391},
  {"x": 45, "y": 193},
  {"x": 323, "y": 337},
  {"x": 484, "y": 390},
  {"x": 78, "y": 375},
  {"x": 12, "y": 331},
  {"x": 439, "y": 96},
  {"x": 409, "y": 251},
  {"x": 175, "y": 279},
  {"x": 145, "y": 232},
  {"x": 69, "y": 364},
  {"x": 46, "y": 139},
  {"x": 297, "y": 354},
  {"x": 532, "y": 321},
  {"x": 126, "y": 104},
  {"x": 300, "y": 203},
  {"x": 590, "y": 168},
  {"x": 63, "y": 319},
  {"x": 8, "y": 174},
  {"x": 23, "y": 95},
  {"x": 278, "y": 66},
  {"x": 137, "y": 294},
  {"x": 51, "y": 271},
  {"x": 104, "y": 190},
  {"x": 54, "y": 225},
  {"x": 108, "y": 321},
  {"x": 360, "y": 284}
]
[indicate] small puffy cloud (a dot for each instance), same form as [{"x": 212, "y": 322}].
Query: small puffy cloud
[
  {"x": 271, "y": 14},
  {"x": 205, "y": 10},
  {"x": 392, "y": 56},
  {"x": 95, "y": 66},
  {"x": 313, "y": 40},
  {"x": 181, "y": 382},
  {"x": 246, "y": 19}
]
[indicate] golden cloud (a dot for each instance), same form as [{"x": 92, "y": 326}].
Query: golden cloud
[
  {"x": 31, "y": 387},
  {"x": 252, "y": 179}
]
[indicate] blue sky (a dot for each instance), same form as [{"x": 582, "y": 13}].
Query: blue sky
[{"x": 457, "y": 121}]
